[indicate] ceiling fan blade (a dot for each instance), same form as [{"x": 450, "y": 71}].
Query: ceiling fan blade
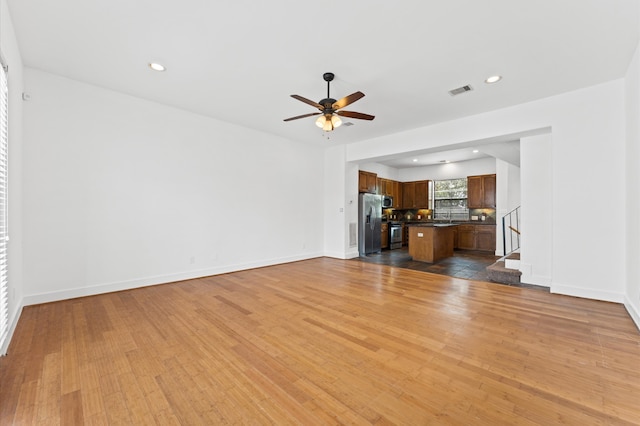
[
  {"x": 302, "y": 116},
  {"x": 357, "y": 115},
  {"x": 308, "y": 101},
  {"x": 348, "y": 100}
]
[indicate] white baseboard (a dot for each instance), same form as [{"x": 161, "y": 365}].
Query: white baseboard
[
  {"x": 73, "y": 293},
  {"x": 540, "y": 280},
  {"x": 586, "y": 293},
  {"x": 633, "y": 310},
  {"x": 349, "y": 254},
  {"x": 13, "y": 322}
]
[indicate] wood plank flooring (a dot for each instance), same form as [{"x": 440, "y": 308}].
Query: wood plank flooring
[{"x": 320, "y": 342}]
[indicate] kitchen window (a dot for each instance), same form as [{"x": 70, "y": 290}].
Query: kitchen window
[{"x": 450, "y": 199}]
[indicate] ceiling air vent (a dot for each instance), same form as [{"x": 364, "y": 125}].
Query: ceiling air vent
[
  {"x": 460, "y": 90},
  {"x": 347, "y": 123}
]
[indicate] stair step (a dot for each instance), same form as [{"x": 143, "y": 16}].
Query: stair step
[
  {"x": 512, "y": 263},
  {"x": 500, "y": 274},
  {"x": 514, "y": 256}
]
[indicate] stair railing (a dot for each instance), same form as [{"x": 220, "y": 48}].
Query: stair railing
[{"x": 511, "y": 231}]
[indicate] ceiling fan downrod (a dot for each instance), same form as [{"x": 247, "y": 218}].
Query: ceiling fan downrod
[{"x": 328, "y": 77}]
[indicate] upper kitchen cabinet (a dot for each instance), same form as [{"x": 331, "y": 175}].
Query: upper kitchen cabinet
[
  {"x": 481, "y": 192},
  {"x": 397, "y": 194},
  {"x": 388, "y": 187},
  {"x": 416, "y": 195},
  {"x": 385, "y": 187},
  {"x": 367, "y": 182}
]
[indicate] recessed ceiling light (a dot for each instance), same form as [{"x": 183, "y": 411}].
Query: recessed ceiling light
[
  {"x": 156, "y": 67},
  {"x": 415, "y": 160},
  {"x": 475, "y": 151},
  {"x": 493, "y": 79}
]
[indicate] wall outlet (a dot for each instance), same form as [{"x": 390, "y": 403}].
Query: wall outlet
[{"x": 474, "y": 217}]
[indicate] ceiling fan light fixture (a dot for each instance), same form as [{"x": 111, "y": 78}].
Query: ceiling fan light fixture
[
  {"x": 321, "y": 121},
  {"x": 335, "y": 121},
  {"x": 328, "y": 125}
]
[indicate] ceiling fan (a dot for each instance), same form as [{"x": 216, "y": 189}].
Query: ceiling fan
[{"x": 329, "y": 107}]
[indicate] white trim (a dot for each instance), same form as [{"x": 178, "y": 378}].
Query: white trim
[
  {"x": 73, "y": 293},
  {"x": 633, "y": 311},
  {"x": 13, "y": 322},
  {"x": 342, "y": 255},
  {"x": 5, "y": 323},
  {"x": 585, "y": 293}
]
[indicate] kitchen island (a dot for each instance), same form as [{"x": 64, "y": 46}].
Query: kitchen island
[{"x": 430, "y": 242}]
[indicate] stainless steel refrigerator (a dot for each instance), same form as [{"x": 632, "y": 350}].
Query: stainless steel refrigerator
[{"x": 369, "y": 223}]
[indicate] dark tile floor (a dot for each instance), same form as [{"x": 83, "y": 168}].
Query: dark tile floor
[{"x": 468, "y": 264}]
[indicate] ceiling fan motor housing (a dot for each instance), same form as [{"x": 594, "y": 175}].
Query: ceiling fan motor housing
[{"x": 327, "y": 103}]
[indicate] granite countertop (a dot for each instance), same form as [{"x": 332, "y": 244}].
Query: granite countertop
[
  {"x": 438, "y": 223},
  {"x": 431, "y": 224},
  {"x": 455, "y": 222}
]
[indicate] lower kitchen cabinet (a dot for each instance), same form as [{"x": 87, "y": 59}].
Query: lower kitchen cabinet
[
  {"x": 455, "y": 237},
  {"x": 477, "y": 237},
  {"x": 384, "y": 237},
  {"x": 405, "y": 235},
  {"x": 467, "y": 237},
  {"x": 486, "y": 237}
]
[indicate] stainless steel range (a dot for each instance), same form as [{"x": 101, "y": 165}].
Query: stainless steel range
[{"x": 395, "y": 235}]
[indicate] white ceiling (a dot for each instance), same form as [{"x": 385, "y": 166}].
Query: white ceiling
[{"x": 239, "y": 61}]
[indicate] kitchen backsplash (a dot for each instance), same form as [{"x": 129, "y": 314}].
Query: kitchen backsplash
[{"x": 475, "y": 215}]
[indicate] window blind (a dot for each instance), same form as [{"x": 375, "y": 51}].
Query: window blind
[{"x": 4, "y": 235}]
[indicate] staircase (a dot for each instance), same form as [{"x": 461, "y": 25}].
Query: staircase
[{"x": 507, "y": 269}]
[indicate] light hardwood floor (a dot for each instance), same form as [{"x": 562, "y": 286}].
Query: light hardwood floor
[{"x": 323, "y": 341}]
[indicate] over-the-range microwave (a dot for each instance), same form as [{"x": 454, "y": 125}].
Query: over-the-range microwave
[{"x": 387, "y": 202}]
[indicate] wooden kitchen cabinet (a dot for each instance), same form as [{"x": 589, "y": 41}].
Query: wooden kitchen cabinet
[
  {"x": 385, "y": 187},
  {"x": 405, "y": 235},
  {"x": 397, "y": 195},
  {"x": 422, "y": 194},
  {"x": 486, "y": 237},
  {"x": 481, "y": 192},
  {"x": 477, "y": 237},
  {"x": 415, "y": 195},
  {"x": 367, "y": 182},
  {"x": 455, "y": 237},
  {"x": 381, "y": 185},
  {"x": 384, "y": 237},
  {"x": 467, "y": 237},
  {"x": 408, "y": 195}
]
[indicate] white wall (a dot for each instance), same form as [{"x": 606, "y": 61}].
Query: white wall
[
  {"x": 381, "y": 170},
  {"x": 632, "y": 177},
  {"x": 588, "y": 150},
  {"x": 536, "y": 170},
  {"x": 482, "y": 166},
  {"x": 339, "y": 206},
  {"x": 12, "y": 58},
  {"x": 508, "y": 188},
  {"x": 120, "y": 192}
]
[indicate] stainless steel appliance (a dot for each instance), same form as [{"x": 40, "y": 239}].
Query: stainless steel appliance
[
  {"x": 369, "y": 223},
  {"x": 395, "y": 236},
  {"x": 387, "y": 202}
]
